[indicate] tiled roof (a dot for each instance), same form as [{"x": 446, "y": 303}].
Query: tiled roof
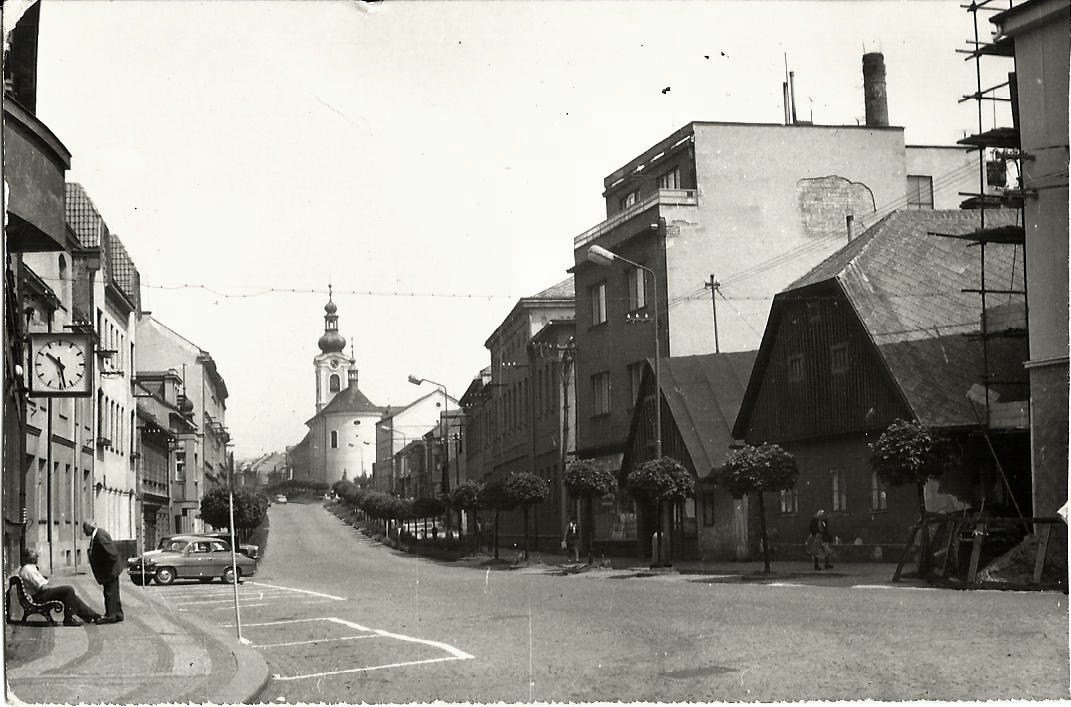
[
  {"x": 704, "y": 394},
  {"x": 562, "y": 290},
  {"x": 907, "y": 288},
  {"x": 351, "y": 399},
  {"x": 124, "y": 273},
  {"x": 82, "y": 216}
]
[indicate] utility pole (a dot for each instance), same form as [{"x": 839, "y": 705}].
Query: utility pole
[{"x": 713, "y": 286}]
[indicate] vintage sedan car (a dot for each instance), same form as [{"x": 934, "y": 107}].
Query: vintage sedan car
[
  {"x": 189, "y": 557},
  {"x": 247, "y": 549},
  {"x": 280, "y": 498}
]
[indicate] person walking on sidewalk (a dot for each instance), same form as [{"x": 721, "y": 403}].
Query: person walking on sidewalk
[
  {"x": 75, "y": 611},
  {"x": 104, "y": 559},
  {"x": 818, "y": 540},
  {"x": 569, "y": 542}
]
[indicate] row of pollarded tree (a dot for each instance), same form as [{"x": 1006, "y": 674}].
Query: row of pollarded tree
[{"x": 906, "y": 453}]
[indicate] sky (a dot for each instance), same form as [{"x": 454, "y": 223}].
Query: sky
[{"x": 432, "y": 161}]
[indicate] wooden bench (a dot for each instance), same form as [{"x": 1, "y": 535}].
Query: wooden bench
[{"x": 29, "y": 606}]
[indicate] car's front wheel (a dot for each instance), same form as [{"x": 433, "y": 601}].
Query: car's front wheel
[
  {"x": 165, "y": 575},
  {"x": 138, "y": 580},
  {"x": 228, "y": 575}
]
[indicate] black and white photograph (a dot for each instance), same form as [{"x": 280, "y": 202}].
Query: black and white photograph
[{"x": 535, "y": 351}]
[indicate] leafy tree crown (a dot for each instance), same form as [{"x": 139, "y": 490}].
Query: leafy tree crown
[
  {"x": 466, "y": 495},
  {"x": 907, "y": 453},
  {"x": 765, "y": 467},
  {"x": 249, "y": 509},
  {"x": 663, "y": 479},
  {"x": 587, "y": 479},
  {"x": 526, "y": 488}
]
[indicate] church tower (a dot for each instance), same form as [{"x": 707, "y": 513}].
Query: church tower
[{"x": 331, "y": 363}]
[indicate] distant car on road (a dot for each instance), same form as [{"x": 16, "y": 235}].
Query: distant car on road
[
  {"x": 280, "y": 498},
  {"x": 197, "y": 557}
]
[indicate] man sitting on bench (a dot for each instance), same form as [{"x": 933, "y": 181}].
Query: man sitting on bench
[{"x": 41, "y": 590}]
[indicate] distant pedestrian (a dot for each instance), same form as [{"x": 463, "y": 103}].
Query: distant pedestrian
[
  {"x": 818, "y": 540},
  {"x": 569, "y": 542},
  {"x": 104, "y": 560},
  {"x": 41, "y": 590}
]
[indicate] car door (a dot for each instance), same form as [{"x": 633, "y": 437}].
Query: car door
[
  {"x": 198, "y": 559},
  {"x": 220, "y": 557}
]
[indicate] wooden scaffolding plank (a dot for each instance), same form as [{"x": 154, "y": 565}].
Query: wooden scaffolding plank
[{"x": 1043, "y": 547}]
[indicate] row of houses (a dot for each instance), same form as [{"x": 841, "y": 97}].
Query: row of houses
[
  {"x": 109, "y": 414},
  {"x": 892, "y": 284}
]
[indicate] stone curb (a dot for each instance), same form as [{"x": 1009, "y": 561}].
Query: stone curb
[{"x": 250, "y": 677}]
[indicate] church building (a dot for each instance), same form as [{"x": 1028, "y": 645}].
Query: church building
[{"x": 342, "y": 434}]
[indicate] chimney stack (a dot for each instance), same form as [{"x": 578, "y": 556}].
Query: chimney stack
[{"x": 874, "y": 96}]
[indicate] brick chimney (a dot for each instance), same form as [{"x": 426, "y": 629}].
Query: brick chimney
[{"x": 874, "y": 96}]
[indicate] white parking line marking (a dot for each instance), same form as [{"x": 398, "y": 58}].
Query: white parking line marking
[
  {"x": 783, "y": 584},
  {"x": 885, "y": 586},
  {"x": 454, "y": 653},
  {"x": 295, "y": 589},
  {"x": 368, "y": 669},
  {"x": 315, "y": 640},
  {"x": 276, "y": 623}
]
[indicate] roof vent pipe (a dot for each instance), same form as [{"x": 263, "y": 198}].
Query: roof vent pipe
[{"x": 874, "y": 95}]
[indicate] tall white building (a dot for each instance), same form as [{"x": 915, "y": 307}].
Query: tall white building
[{"x": 342, "y": 434}]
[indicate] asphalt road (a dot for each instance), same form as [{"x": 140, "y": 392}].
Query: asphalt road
[{"x": 342, "y": 619}]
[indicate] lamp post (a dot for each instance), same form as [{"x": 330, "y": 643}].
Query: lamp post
[
  {"x": 604, "y": 257},
  {"x": 444, "y": 426}
]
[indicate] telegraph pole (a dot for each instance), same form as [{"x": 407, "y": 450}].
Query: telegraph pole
[{"x": 713, "y": 286}]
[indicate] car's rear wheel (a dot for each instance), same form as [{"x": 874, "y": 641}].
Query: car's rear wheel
[
  {"x": 228, "y": 575},
  {"x": 165, "y": 575}
]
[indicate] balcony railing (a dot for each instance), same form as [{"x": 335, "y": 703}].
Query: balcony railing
[{"x": 669, "y": 197}]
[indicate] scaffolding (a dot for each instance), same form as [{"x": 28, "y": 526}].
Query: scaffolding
[{"x": 1000, "y": 156}]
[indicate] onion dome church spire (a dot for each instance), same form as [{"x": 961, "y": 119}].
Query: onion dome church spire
[{"x": 331, "y": 341}]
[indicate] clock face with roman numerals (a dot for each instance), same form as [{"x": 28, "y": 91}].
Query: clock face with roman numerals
[{"x": 59, "y": 364}]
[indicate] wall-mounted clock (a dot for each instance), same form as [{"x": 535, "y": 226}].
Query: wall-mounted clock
[{"x": 60, "y": 365}]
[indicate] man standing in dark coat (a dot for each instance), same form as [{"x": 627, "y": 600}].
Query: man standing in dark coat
[{"x": 104, "y": 559}]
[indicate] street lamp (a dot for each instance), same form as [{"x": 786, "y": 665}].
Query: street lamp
[
  {"x": 604, "y": 257},
  {"x": 444, "y": 427}
]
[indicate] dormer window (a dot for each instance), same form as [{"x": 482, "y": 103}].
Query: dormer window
[{"x": 629, "y": 199}]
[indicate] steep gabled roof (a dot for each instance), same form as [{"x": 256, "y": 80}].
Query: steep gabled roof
[
  {"x": 906, "y": 286},
  {"x": 82, "y": 216},
  {"x": 703, "y": 394}
]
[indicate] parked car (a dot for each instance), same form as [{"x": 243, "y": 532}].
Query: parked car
[
  {"x": 189, "y": 557},
  {"x": 247, "y": 549},
  {"x": 280, "y": 498}
]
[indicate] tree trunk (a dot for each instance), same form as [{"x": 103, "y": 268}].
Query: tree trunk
[
  {"x": 589, "y": 530},
  {"x": 924, "y": 542},
  {"x": 762, "y": 534},
  {"x": 496, "y": 534},
  {"x": 658, "y": 533},
  {"x": 526, "y": 532},
  {"x": 474, "y": 528}
]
